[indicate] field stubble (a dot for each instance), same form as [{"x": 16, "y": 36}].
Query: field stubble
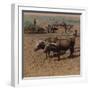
[{"x": 35, "y": 64}]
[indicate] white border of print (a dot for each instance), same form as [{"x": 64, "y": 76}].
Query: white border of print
[{"x": 16, "y": 54}]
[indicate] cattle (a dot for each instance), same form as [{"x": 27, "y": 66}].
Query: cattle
[
  {"x": 60, "y": 47},
  {"x": 40, "y": 45},
  {"x": 52, "y": 47}
]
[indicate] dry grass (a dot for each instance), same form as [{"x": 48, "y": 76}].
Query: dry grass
[{"x": 35, "y": 63}]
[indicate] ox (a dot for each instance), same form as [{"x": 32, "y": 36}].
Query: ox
[{"x": 60, "y": 47}]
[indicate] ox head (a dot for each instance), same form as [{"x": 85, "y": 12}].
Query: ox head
[{"x": 39, "y": 45}]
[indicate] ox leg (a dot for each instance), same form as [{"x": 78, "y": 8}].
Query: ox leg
[
  {"x": 58, "y": 55},
  {"x": 48, "y": 30},
  {"x": 71, "y": 51},
  {"x": 47, "y": 54}
]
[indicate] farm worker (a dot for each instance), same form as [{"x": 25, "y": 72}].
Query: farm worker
[{"x": 49, "y": 28}]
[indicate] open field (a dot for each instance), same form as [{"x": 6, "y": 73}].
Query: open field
[{"x": 35, "y": 63}]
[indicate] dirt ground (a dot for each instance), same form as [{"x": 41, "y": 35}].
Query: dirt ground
[{"x": 35, "y": 64}]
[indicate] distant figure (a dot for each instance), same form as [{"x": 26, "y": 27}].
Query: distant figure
[
  {"x": 75, "y": 34},
  {"x": 65, "y": 26},
  {"x": 34, "y": 22},
  {"x": 53, "y": 29},
  {"x": 49, "y": 28}
]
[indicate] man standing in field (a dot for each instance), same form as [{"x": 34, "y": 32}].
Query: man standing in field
[{"x": 49, "y": 28}]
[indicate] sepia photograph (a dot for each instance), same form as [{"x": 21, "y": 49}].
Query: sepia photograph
[{"x": 50, "y": 43}]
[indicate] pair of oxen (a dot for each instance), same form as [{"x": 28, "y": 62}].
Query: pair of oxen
[{"x": 58, "y": 47}]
